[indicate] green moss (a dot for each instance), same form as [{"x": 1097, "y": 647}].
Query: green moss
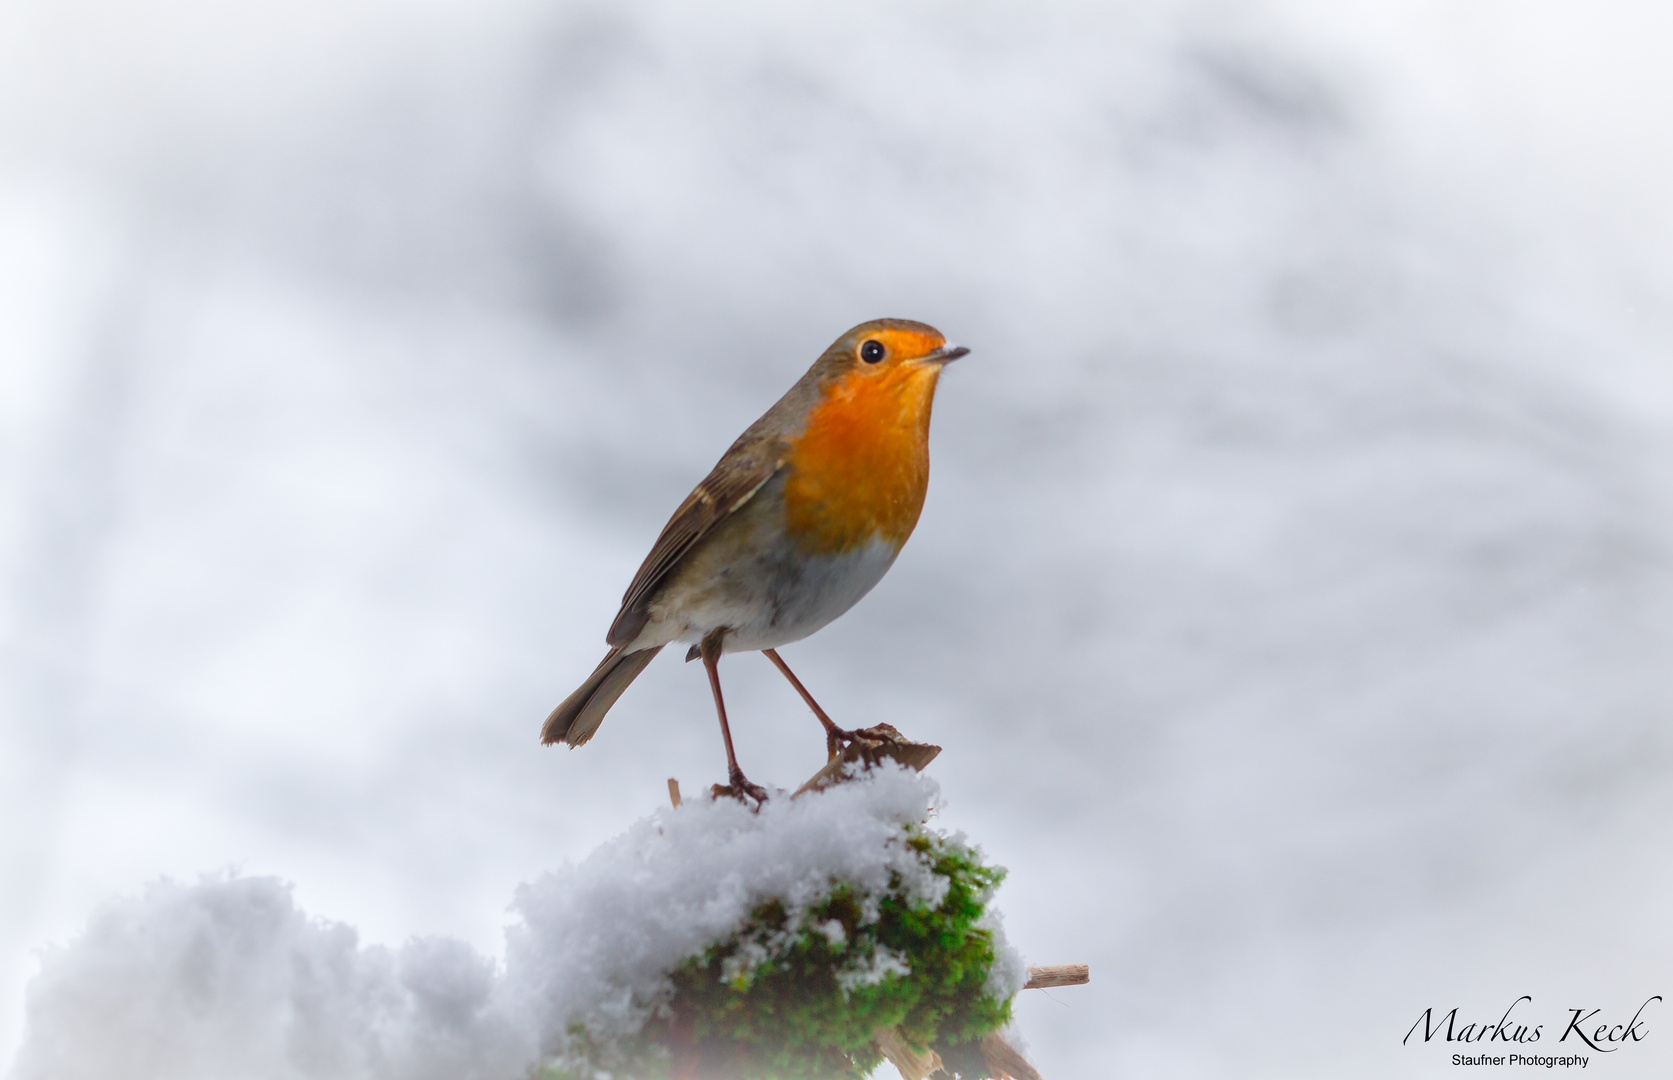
[{"x": 798, "y": 996}]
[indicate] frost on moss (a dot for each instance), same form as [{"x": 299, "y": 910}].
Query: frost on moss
[{"x": 799, "y": 990}]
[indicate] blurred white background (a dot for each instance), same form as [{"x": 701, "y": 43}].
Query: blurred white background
[{"x": 1293, "y": 593}]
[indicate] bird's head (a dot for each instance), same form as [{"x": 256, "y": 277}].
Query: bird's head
[{"x": 886, "y": 346}]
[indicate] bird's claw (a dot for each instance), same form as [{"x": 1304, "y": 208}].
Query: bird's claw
[
  {"x": 740, "y": 788},
  {"x": 837, "y": 740}
]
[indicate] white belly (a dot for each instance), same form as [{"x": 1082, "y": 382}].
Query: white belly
[
  {"x": 781, "y": 597},
  {"x": 825, "y": 587}
]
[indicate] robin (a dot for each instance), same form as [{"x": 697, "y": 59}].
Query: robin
[{"x": 798, "y": 520}]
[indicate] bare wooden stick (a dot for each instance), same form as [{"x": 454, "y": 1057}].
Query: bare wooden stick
[
  {"x": 1003, "y": 1061},
  {"x": 674, "y": 791},
  {"x": 871, "y": 745},
  {"x": 912, "y": 1064},
  {"x": 1039, "y": 978}
]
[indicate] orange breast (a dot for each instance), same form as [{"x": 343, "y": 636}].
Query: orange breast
[{"x": 861, "y": 468}]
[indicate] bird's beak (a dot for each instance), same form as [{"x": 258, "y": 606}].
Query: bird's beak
[{"x": 946, "y": 354}]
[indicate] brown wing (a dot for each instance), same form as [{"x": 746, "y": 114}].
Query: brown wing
[{"x": 740, "y": 474}]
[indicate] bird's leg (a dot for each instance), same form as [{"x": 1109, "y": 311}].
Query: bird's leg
[
  {"x": 834, "y": 736},
  {"x": 709, "y": 649}
]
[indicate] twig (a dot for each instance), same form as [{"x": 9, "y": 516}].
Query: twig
[
  {"x": 1004, "y": 1062},
  {"x": 1039, "y": 978},
  {"x": 912, "y": 1064},
  {"x": 674, "y": 791},
  {"x": 871, "y": 745}
]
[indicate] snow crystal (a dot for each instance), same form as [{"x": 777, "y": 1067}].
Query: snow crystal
[
  {"x": 883, "y": 963},
  {"x": 229, "y": 978},
  {"x": 1008, "y": 973}
]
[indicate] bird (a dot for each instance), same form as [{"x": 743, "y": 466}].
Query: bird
[{"x": 799, "y": 519}]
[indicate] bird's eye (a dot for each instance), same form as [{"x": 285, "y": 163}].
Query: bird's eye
[{"x": 871, "y": 352}]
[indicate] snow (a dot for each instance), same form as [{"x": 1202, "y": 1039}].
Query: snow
[{"x": 229, "y": 977}]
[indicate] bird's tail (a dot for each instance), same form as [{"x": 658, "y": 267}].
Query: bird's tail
[{"x": 580, "y": 714}]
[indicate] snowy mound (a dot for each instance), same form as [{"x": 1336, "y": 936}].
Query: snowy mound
[{"x": 229, "y": 978}]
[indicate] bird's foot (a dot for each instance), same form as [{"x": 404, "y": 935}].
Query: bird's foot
[
  {"x": 836, "y": 739},
  {"x": 739, "y": 787}
]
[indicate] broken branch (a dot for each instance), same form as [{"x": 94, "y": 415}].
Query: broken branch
[{"x": 1048, "y": 975}]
